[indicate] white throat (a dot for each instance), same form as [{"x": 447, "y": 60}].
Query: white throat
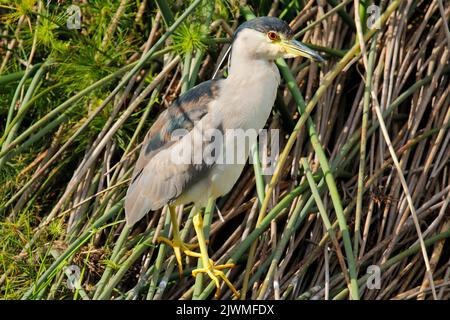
[{"x": 248, "y": 93}]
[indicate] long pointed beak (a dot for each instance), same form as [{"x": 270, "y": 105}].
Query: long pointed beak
[{"x": 294, "y": 48}]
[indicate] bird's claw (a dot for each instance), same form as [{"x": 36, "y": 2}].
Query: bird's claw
[
  {"x": 215, "y": 273},
  {"x": 179, "y": 246}
]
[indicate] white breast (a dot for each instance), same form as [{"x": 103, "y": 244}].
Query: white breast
[
  {"x": 246, "y": 104},
  {"x": 245, "y": 101}
]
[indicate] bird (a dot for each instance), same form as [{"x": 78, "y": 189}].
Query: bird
[{"x": 170, "y": 172}]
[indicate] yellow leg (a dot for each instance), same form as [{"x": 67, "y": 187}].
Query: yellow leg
[
  {"x": 177, "y": 244},
  {"x": 213, "y": 271}
]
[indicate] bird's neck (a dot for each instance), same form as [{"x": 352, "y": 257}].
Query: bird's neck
[
  {"x": 249, "y": 91},
  {"x": 245, "y": 65}
]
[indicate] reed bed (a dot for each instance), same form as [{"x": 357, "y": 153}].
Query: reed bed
[{"x": 357, "y": 208}]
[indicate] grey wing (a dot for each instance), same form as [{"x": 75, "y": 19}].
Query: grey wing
[{"x": 158, "y": 179}]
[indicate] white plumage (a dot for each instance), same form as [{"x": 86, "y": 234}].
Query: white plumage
[{"x": 213, "y": 113}]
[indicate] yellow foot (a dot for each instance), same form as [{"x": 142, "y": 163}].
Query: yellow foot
[
  {"x": 179, "y": 246},
  {"x": 216, "y": 273}
]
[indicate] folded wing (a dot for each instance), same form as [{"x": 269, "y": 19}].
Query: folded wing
[{"x": 157, "y": 179}]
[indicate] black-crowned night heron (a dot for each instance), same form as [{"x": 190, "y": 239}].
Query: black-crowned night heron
[{"x": 243, "y": 101}]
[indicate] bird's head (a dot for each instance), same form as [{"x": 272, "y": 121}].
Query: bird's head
[{"x": 270, "y": 38}]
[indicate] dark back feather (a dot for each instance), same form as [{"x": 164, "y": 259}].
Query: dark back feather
[{"x": 184, "y": 113}]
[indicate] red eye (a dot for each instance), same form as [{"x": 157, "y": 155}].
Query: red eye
[{"x": 272, "y": 35}]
